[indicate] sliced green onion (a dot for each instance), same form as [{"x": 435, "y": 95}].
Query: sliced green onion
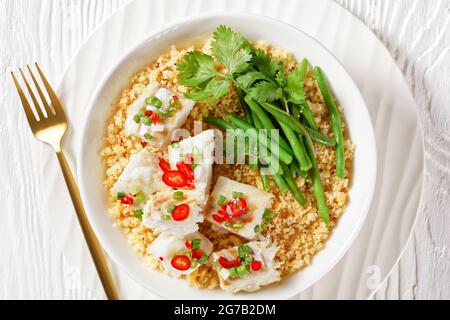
[
  {"x": 238, "y": 226},
  {"x": 243, "y": 250},
  {"x": 166, "y": 217},
  {"x": 268, "y": 215},
  {"x": 248, "y": 259},
  {"x": 222, "y": 200},
  {"x": 120, "y": 195},
  {"x": 154, "y": 101},
  {"x": 242, "y": 270},
  {"x": 146, "y": 120},
  {"x": 138, "y": 214},
  {"x": 228, "y": 225},
  {"x": 137, "y": 118},
  {"x": 175, "y": 145},
  {"x": 148, "y": 136},
  {"x": 139, "y": 198},
  {"x": 236, "y": 194},
  {"x": 233, "y": 272},
  {"x": 171, "y": 208},
  {"x": 196, "y": 244},
  {"x": 263, "y": 226},
  {"x": 257, "y": 227},
  {"x": 177, "y": 195},
  {"x": 194, "y": 264},
  {"x": 142, "y": 111},
  {"x": 203, "y": 259}
]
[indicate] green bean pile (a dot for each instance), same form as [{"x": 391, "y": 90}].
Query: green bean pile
[{"x": 272, "y": 99}]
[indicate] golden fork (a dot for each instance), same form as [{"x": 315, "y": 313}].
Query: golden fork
[{"x": 49, "y": 126}]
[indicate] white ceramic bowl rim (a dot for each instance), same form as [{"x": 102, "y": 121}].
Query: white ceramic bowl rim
[{"x": 286, "y": 289}]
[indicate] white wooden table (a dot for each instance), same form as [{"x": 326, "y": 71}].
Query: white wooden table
[{"x": 416, "y": 32}]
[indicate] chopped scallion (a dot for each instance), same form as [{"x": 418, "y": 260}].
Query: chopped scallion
[
  {"x": 140, "y": 197},
  {"x": 137, "y": 118},
  {"x": 177, "y": 195},
  {"x": 237, "y": 195},
  {"x": 233, "y": 272},
  {"x": 203, "y": 259},
  {"x": 120, "y": 195},
  {"x": 242, "y": 270},
  {"x": 146, "y": 120},
  {"x": 222, "y": 200},
  {"x": 166, "y": 217},
  {"x": 238, "y": 226},
  {"x": 138, "y": 214},
  {"x": 196, "y": 244},
  {"x": 171, "y": 208},
  {"x": 148, "y": 136}
]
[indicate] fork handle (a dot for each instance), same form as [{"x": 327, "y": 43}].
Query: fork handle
[{"x": 95, "y": 249}]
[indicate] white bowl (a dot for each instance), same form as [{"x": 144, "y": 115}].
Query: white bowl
[{"x": 278, "y": 34}]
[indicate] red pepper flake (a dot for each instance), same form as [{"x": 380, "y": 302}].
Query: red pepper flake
[
  {"x": 161, "y": 258},
  {"x": 127, "y": 200},
  {"x": 217, "y": 218},
  {"x": 175, "y": 97},
  {"x": 164, "y": 165},
  {"x": 155, "y": 118},
  {"x": 256, "y": 265},
  {"x": 188, "y": 245},
  {"x": 144, "y": 143},
  {"x": 148, "y": 113},
  {"x": 197, "y": 254}
]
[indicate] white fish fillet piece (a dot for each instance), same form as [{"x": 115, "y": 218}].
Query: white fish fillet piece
[
  {"x": 262, "y": 251},
  {"x": 204, "y": 144},
  {"x": 156, "y": 208},
  {"x": 141, "y": 174},
  {"x": 162, "y": 131},
  {"x": 257, "y": 201},
  {"x": 167, "y": 246}
]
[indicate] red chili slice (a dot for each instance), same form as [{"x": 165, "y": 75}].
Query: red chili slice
[
  {"x": 155, "y": 118},
  {"x": 174, "y": 179},
  {"x": 197, "y": 254},
  {"x": 237, "y": 207},
  {"x": 181, "y": 212},
  {"x": 217, "y": 218},
  {"x": 127, "y": 200},
  {"x": 164, "y": 165},
  {"x": 188, "y": 245},
  {"x": 224, "y": 262},
  {"x": 148, "y": 113},
  {"x": 256, "y": 265},
  {"x": 186, "y": 169},
  {"x": 181, "y": 263}
]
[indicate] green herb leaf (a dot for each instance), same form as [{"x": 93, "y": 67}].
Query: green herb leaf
[
  {"x": 196, "y": 69},
  {"x": 213, "y": 91},
  {"x": 246, "y": 80},
  {"x": 294, "y": 85},
  {"x": 265, "y": 64},
  {"x": 231, "y": 49},
  {"x": 265, "y": 92}
]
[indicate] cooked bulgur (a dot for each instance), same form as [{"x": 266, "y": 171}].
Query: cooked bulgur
[{"x": 298, "y": 231}]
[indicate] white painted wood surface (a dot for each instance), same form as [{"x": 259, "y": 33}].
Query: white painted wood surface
[{"x": 417, "y": 34}]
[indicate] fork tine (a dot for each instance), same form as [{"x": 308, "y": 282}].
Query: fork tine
[
  {"x": 31, "y": 93},
  {"x": 53, "y": 97},
  {"x": 26, "y": 106},
  {"x": 41, "y": 94}
]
